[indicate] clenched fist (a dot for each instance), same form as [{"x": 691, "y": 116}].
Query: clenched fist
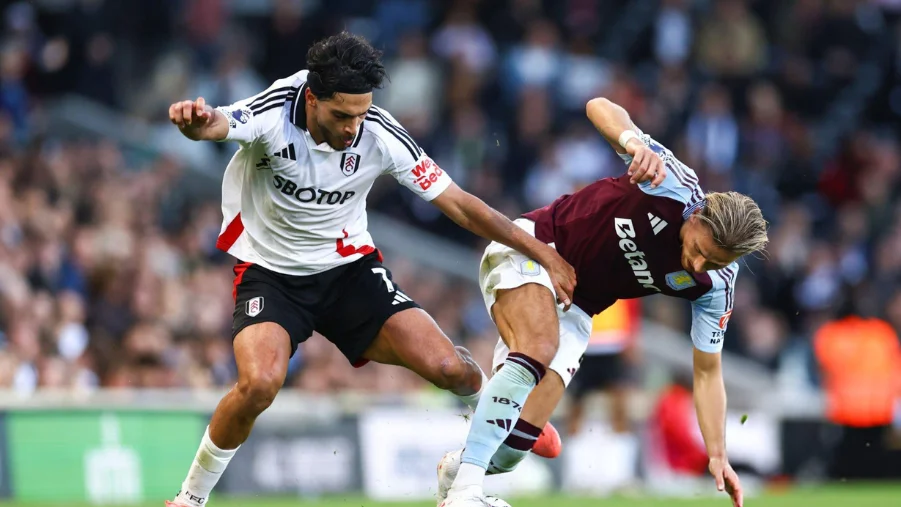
[{"x": 646, "y": 164}]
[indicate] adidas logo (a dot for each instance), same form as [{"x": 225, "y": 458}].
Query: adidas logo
[
  {"x": 657, "y": 223},
  {"x": 400, "y": 298},
  {"x": 506, "y": 424},
  {"x": 287, "y": 152}
]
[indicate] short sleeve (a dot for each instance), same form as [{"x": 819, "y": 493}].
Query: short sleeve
[
  {"x": 405, "y": 160},
  {"x": 712, "y": 311},
  {"x": 681, "y": 182},
  {"x": 249, "y": 118},
  {"x": 242, "y": 126}
]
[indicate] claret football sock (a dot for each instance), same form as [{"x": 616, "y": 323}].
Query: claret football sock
[
  {"x": 515, "y": 448},
  {"x": 496, "y": 415},
  {"x": 209, "y": 463}
]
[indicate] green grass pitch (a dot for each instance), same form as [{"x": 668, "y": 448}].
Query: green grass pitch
[{"x": 831, "y": 496}]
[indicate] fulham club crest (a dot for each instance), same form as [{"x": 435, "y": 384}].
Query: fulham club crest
[
  {"x": 254, "y": 306},
  {"x": 350, "y": 162}
]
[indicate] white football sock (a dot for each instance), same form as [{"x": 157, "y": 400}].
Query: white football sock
[
  {"x": 472, "y": 400},
  {"x": 209, "y": 463}
]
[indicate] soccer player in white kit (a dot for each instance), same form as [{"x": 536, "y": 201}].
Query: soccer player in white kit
[{"x": 294, "y": 206}]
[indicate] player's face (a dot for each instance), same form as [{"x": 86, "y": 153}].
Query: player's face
[
  {"x": 699, "y": 251},
  {"x": 339, "y": 118}
]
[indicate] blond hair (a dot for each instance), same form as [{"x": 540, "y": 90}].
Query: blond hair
[{"x": 736, "y": 222}]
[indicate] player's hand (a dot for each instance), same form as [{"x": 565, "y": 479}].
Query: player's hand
[
  {"x": 190, "y": 115},
  {"x": 563, "y": 276},
  {"x": 726, "y": 480},
  {"x": 646, "y": 164}
]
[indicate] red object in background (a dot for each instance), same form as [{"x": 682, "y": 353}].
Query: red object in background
[{"x": 677, "y": 431}]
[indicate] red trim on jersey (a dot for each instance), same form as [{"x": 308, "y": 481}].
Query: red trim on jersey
[
  {"x": 239, "y": 270},
  {"x": 348, "y": 250},
  {"x": 361, "y": 363},
  {"x": 230, "y": 235}
]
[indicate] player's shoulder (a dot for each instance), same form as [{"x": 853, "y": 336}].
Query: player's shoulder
[
  {"x": 279, "y": 102},
  {"x": 390, "y": 135},
  {"x": 681, "y": 183}
]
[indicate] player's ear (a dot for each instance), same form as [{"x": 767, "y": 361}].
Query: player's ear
[{"x": 310, "y": 97}]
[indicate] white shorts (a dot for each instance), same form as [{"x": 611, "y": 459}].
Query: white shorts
[{"x": 505, "y": 268}]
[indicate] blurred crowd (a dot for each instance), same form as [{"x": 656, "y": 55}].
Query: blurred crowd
[{"x": 108, "y": 271}]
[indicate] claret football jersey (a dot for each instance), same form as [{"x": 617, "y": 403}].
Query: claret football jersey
[{"x": 623, "y": 241}]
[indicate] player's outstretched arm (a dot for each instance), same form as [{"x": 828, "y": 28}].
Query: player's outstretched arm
[
  {"x": 469, "y": 212},
  {"x": 614, "y": 123},
  {"x": 710, "y": 404},
  {"x": 198, "y": 121}
]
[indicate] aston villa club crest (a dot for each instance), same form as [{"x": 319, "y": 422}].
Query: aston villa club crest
[
  {"x": 680, "y": 280},
  {"x": 530, "y": 268},
  {"x": 350, "y": 162}
]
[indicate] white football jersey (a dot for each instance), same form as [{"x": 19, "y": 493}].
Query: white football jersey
[{"x": 297, "y": 207}]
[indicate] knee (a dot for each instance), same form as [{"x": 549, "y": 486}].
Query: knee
[
  {"x": 258, "y": 390},
  {"x": 457, "y": 371},
  {"x": 543, "y": 350}
]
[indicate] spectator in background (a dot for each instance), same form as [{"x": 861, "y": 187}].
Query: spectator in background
[
  {"x": 673, "y": 33},
  {"x": 860, "y": 364},
  {"x": 536, "y": 62},
  {"x": 713, "y": 136},
  {"x": 413, "y": 104},
  {"x": 291, "y": 25},
  {"x": 14, "y": 100},
  {"x": 732, "y": 43},
  {"x": 462, "y": 38},
  {"x": 675, "y": 458},
  {"x": 232, "y": 78},
  {"x": 583, "y": 76},
  {"x": 763, "y": 139}
]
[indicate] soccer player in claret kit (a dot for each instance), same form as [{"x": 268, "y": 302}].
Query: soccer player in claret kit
[
  {"x": 664, "y": 236},
  {"x": 294, "y": 206}
]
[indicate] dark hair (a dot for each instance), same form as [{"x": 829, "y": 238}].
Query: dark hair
[{"x": 344, "y": 63}]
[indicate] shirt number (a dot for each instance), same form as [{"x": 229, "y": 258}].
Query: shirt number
[{"x": 381, "y": 271}]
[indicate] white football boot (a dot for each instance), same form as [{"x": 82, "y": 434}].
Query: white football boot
[
  {"x": 447, "y": 472},
  {"x": 469, "y": 497}
]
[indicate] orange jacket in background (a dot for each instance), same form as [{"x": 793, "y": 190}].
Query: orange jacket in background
[
  {"x": 616, "y": 328},
  {"x": 860, "y": 362}
]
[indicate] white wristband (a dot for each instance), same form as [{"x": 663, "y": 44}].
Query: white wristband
[{"x": 626, "y": 136}]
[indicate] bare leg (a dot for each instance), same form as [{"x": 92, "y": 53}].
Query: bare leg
[
  {"x": 262, "y": 352},
  {"x": 412, "y": 339}
]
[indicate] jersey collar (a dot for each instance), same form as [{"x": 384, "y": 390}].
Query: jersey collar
[
  {"x": 298, "y": 111},
  {"x": 299, "y": 119}
]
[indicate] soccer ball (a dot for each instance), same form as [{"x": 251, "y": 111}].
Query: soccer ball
[{"x": 494, "y": 501}]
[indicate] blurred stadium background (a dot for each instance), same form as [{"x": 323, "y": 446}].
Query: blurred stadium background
[{"x": 115, "y": 306}]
